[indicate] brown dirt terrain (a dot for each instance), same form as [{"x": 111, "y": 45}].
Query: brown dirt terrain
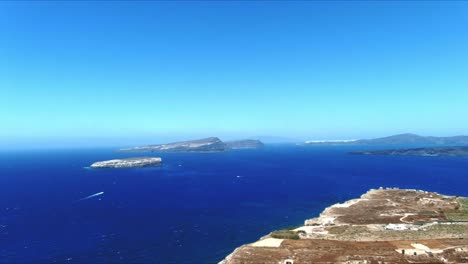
[
  {"x": 389, "y": 206},
  {"x": 377, "y": 228},
  {"x": 332, "y": 251}
]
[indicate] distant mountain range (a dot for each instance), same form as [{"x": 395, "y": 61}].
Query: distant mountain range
[
  {"x": 245, "y": 144},
  {"x": 401, "y": 139},
  {"x": 211, "y": 144}
]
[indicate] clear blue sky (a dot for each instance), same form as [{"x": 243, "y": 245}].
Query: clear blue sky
[{"x": 82, "y": 71}]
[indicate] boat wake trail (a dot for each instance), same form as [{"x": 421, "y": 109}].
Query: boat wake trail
[{"x": 91, "y": 196}]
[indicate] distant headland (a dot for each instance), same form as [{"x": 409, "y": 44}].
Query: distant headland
[
  {"x": 211, "y": 144},
  {"x": 401, "y": 139},
  {"x": 431, "y": 152}
]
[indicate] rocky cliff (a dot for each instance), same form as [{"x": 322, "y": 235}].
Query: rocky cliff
[{"x": 383, "y": 226}]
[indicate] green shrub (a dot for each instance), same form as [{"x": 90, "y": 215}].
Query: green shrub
[{"x": 285, "y": 234}]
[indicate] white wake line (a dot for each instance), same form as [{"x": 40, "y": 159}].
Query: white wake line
[{"x": 91, "y": 196}]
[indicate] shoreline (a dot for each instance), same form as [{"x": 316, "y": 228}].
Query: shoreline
[{"x": 390, "y": 218}]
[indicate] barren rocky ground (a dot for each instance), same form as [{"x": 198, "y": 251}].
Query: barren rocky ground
[{"x": 383, "y": 226}]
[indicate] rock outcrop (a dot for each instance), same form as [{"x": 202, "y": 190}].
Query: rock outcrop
[{"x": 128, "y": 163}]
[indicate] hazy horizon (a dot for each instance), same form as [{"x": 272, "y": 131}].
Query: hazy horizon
[
  {"x": 122, "y": 73},
  {"x": 100, "y": 142}
]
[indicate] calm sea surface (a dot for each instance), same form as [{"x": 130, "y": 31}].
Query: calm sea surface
[{"x": 196, "y": 208}]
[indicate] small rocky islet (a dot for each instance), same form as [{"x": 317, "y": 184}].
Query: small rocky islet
[{"x": 136, "y": 162}]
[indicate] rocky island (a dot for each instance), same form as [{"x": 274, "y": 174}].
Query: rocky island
[
  {"x": 128, "y": 163},
  {"x": 431, "y": 152},
  {"x": 245, "y": 144},
  {"x": 382, "y": 226},
  {"x": 211, "y": 144}
]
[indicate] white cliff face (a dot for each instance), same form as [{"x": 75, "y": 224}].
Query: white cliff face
[{"x": 128, "y": 163}]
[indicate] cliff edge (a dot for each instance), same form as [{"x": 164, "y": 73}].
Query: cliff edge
[{"x": 382, "y": 226}]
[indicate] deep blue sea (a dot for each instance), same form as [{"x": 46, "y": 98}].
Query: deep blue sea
[{"x": 196, "y": 208}]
